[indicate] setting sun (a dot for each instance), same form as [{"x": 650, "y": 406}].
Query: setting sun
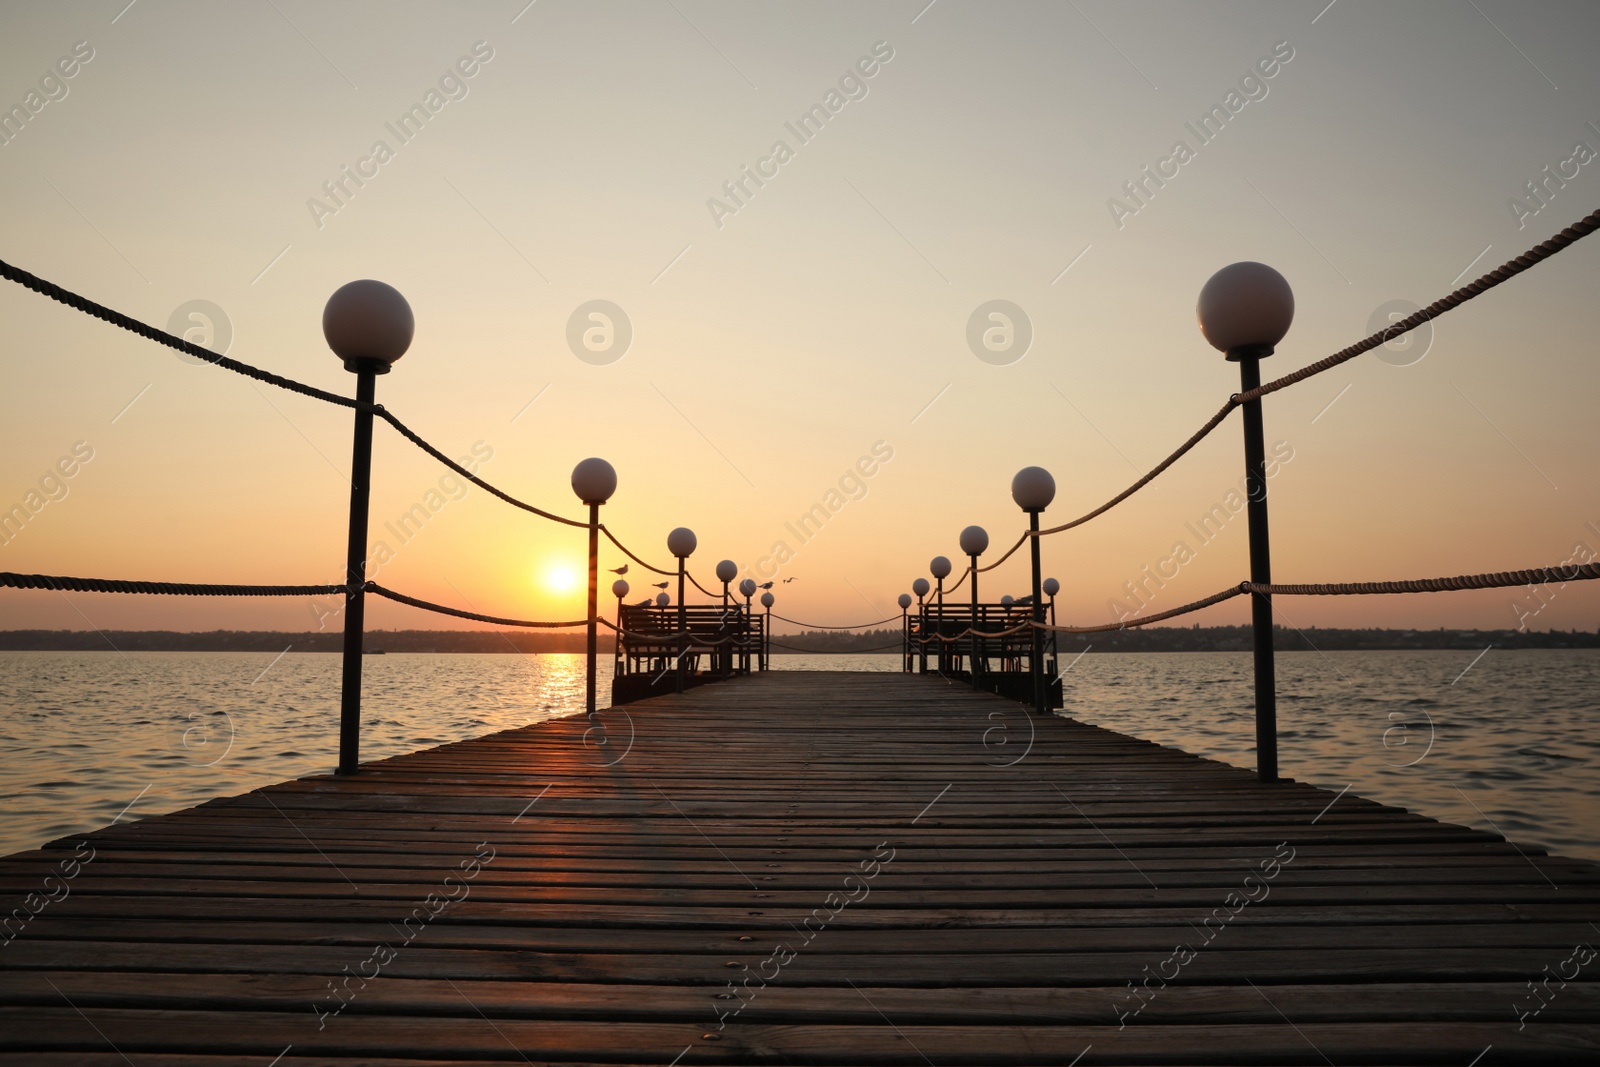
[{"x": 560, "y": 578}]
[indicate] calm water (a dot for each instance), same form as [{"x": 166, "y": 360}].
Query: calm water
[{"x": 1510, "y": 741}]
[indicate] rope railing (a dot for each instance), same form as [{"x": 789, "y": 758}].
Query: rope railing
[
  {"x": 116, "y": 318},
  {"x": 629, "y": 553},
  {"x": 1510, "y": 269},
  {"x": 819, "y": 626},
  {"x": 67, "y": 584}
]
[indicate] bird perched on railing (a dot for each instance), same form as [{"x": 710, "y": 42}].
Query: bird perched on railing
[{"x": 620, "y": 570}]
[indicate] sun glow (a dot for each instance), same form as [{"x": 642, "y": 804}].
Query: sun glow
[{"x": 560, "y": 578}]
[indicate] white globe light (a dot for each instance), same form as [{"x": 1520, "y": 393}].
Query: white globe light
[
  {"x": 662, "y": 600},
  {"x": 767, "y": 600},
  {"x": 727, "y": 570},
  {"x": 1051, "y": 587},
  {"x": 681, "y": 542},
  {"x": 619, "y": 588},
  {"x": 974, "y": 540},
  {"x": 920, "y": 587},
  {"x": 1032, "y": 488},
  {"x": 368, "y": 324},
  {"x": 748, "y": 587},
  {"x": 1007, "y": 600},
  {"x": 904, "y": 600},
  {"x": 1245, "y": 305},
  {"x": 939, "y": 567},
  {"x": 594, "y": 480}
]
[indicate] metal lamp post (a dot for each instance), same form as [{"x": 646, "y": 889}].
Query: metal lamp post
[
  {"x": 594, "y": 480},
  {"x": 767, "y": 600},
  {"x": 1051, "y": 588},
  {"x": 369, "y": 325},
  {"x": 904, "y": 600},
  {"x": 681, "y": 543},
  {"x": 1245, "y": 309},
  {"x": 974, "y": 540},
  {"x": 727, "y": 571},
  {"x": 747, "y": 589},
  {"x": 939, "y": 567},
  {"x": 921, "y": 587},
  {"x": 619, "y": 589},
  {"x": 1032, "y": 488}
]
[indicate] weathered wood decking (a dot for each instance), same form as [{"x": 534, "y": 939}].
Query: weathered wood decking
[{"x": 940, "y": 905}]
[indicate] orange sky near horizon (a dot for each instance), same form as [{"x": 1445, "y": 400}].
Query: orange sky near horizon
[{"x": 821, "y": 329}]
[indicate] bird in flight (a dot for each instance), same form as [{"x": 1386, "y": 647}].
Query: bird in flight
[
  {"x": 620, "y": 570},
  {"x": 786, "y": 581},
  {"x": 660, "y": 585}
]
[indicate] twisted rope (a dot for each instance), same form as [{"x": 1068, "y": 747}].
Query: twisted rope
[
  {"x": 818, "y": 626},
  {"x": 1576, "y": 572},
  {"x": 841, "y": 652},
  {"x": 161, "y": 337},
  {"x": 626, "y": 552},
  {"x": 1510, "y": 269},
  {"x": 1198, "y": 436},
  {"x": 1020, "y": 542},
  {"x": 1206, "y": 602},
  {"x": 426, "y": 605},
  {"x": 1506, "y": 271},
  {"x": 63, "y": 583}
]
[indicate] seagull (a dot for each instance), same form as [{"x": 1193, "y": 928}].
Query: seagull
[
  {"x": 660, "y": 585},
  {"x": 646, "y": 602},
  {"x": 620, "y": 570},
  {"x": 767, "y": 586},
  {"x": 786, "y": 581}
]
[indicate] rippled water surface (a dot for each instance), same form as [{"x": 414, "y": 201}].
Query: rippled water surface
[{"x": 1509, "y": 741}]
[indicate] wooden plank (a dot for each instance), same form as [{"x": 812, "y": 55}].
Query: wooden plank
[{"x": 631, "y": 905}]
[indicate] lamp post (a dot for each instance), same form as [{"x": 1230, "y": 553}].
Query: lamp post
[
  {"x": 939, "y": 567},
  {"x": 920, "y": 587},
  {"x": 594, "y": 480},
  {"x": 681, "y": 542},
  {"x": 1051, "y": 587},
  {"x": 727, "y": 571},
  {"x": 1032, "y": 488},
  {"x": 369, "y": 325},
  {"x": 904, "y": 600},
  {"x": 974, "y": 540},
  {"x": 747, "y": 589},
  {"x": 619, "y": 589},
  {"x": 766, "y": 630},
  {"x": 1245, "y": 309}
]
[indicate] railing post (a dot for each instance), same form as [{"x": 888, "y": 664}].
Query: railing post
[
  {"x": 369, "y": 326},
  {"x": 1260, "y": 571},
  {"x": 974, "y": 540},
  {"x": 683, "y": 626},
  {"x": 972, "y": 665},
  {"x": 1036, "y": 611},
  {"x": 681, "y": 542},
  {"x": 594, "y": 602},
  {"x": 1245, "y": 309},
  {"x": 355, "y": 570},
  {"x": 594, "y": 480}
]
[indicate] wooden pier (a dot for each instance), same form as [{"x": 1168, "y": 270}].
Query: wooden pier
[{"x": 798, "y": 868}]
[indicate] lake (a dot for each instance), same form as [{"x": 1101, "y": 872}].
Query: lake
[{"x": 1505, "y": 741}]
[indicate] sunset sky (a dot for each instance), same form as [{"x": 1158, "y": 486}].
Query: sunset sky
[{"x": 782, "y": 331}]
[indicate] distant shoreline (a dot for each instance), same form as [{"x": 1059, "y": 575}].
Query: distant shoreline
[{"x": 1150, "y": 639}]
